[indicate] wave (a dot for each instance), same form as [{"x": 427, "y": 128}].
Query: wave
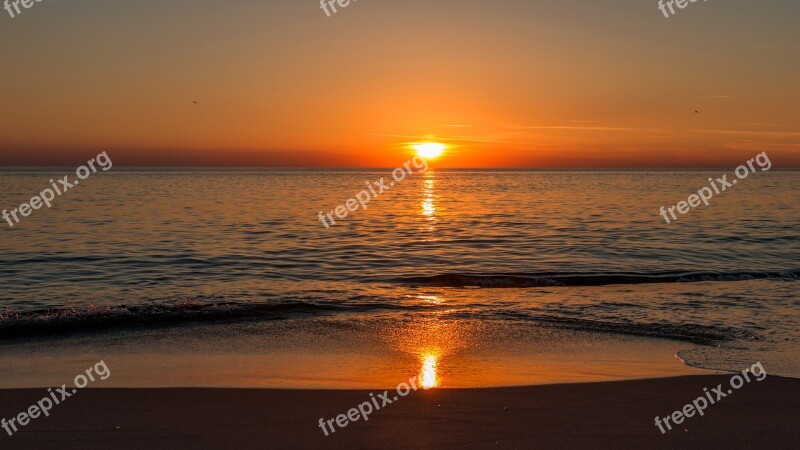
[
  {"x": 523, "y": 280},
  {"x": 61, "y": 322},
  {"x": 100, "y": 318},
  {"x": 687, "y": 332}
]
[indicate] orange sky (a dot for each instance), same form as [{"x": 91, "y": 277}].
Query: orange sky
[{"x": 505, "y": 83}]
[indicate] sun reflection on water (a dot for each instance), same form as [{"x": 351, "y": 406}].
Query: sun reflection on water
[
  {"x": 431, "y": 299},
  {"x": 428, "y": 197}
]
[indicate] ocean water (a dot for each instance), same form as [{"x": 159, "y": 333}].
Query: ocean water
[{"x": 576, "y": 253}]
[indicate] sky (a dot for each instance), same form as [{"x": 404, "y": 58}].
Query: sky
[{"x": 503, "y": 83}]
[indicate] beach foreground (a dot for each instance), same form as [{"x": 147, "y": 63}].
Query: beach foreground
[{"x": 586, "y": 415}]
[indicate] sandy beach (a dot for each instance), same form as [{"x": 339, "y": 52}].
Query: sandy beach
[{"x": 586, "y": 415}]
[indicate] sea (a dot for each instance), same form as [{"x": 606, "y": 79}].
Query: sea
[{"x": 229, "y": 277}]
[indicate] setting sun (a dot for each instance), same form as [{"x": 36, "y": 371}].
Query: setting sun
[{"x": 429, "y": 149}]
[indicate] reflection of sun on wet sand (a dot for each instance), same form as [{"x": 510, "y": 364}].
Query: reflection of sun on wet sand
[
  {"x": 430, "y": 341},
  {"x": 427, "y": 376}
]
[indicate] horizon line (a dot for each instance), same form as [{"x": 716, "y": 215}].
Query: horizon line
[{"x": 789, "y": 169}]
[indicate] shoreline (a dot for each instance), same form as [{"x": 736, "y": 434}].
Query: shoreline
[
  {"x": 611, "y": 414},
  {"x": 332, "y": 354}
]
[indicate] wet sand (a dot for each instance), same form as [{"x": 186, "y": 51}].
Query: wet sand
[{"x": 585, "y": 415}]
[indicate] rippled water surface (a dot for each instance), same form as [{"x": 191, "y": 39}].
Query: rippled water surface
[{"x": 585, "y": 251}]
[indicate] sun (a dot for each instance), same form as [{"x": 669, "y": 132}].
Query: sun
[{"x": 429, "y": 150}]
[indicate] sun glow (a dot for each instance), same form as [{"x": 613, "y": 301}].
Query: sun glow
[{"x": 429, "y": 149}]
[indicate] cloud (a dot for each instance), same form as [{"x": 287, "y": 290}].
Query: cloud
[
  {"x": 529, "y": 127},
  {"x": 748, "y": 132},
  {"x": 464, "y": 139}
]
